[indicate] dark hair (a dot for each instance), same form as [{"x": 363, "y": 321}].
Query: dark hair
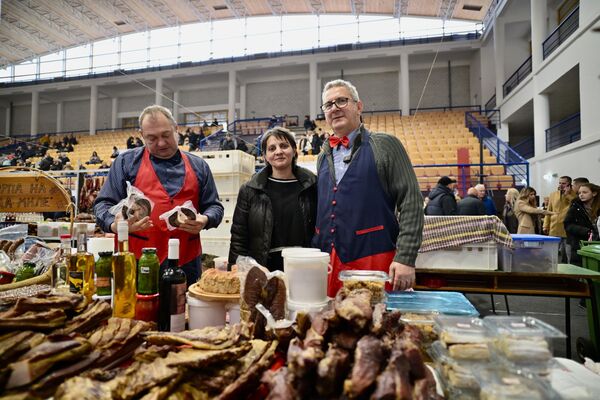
[
  {"x": 581, "y": 180},
  {"x": 282, "y": 134},
  {"x": 568, "y": 178}
]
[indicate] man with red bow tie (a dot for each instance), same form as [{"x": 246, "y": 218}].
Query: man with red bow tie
[{"x": 370, "y": 208}]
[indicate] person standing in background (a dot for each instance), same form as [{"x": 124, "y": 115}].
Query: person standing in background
[
  {"x": 559, "y": 202},
  {"x": 441, "y": 198},
  {"x": 471, "y": 205},
  {"x": 581, "y": 221},
  {"x": 527, "y": 212},
  {"x": 508, "y": 213}
]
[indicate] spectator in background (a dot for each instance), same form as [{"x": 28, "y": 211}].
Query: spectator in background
[
  {"x": 241, "y": 145},
  {"x": 471, "y": 205},
  {"x": 215, "y": 122},
  {"x": 488, "y": 202},
  {"x": 69, "y": 148},
  {"x": 56, "y": 165},
  {"x": 441, "y": 198},
  {"x": 317, "y": 142},
  {"x": 577, "y": 182},
  {"x": 104, "y": 165},
  {"x": 527, "y": 212},
  {"x": 130, "y": 142},
  {"x": 19, "y": 153},
  {"x": 73, "y": 139},
  {"x": 305, "y": 145},
  {"x": 229, "y": 143},
  {"x": 46, "y": 163},
  {"x": 272, "y": 121},
  {"x": 508, "y": 213},
  {"x": 138, "y": 142},
  {"x": 94, "y": 159},
  {"x": 204, "y": 124},
  {"x": 45, "y": 140},
  {"x": 581, "y": 221},
  {"x": 63, "y": 158},
  {"x": 307, "y": 123},
  {"x": 559, "y": 202},
  {"x": 68, "y": 166},
  {"x": 193, "y": 140},
  {"x": 115, "y": 152}
]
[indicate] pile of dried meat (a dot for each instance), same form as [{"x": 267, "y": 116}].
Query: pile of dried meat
[
  {"x": 48, "y": 338},
  {"x": 354, "y": 351}
]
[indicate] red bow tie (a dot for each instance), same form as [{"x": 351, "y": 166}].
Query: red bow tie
[{"x": 334, "y": 141}]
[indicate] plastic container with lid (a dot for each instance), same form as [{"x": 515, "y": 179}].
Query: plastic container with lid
[
  {"x": 146, "y": 307},
  {"x": 374, "y": 281},
  {"x": 306, "y": 274},
  {"x": 456, "y": 374},
  {"x": 205, "y": 313},
  {"x": 458, "y": 329},
  {"x": 500, "y": 384},
  {"x": 426, "y": 302},
  {"x": 294, "y": 307},
  {"x": 534, "y": 253}
]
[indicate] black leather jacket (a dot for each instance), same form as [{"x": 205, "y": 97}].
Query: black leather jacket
[
  {"x": 578, "y": 225},
  {"x": 252, "y": 224}
]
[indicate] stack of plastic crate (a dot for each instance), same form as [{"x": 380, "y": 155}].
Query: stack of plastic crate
[{"x": 230, "y": 169}]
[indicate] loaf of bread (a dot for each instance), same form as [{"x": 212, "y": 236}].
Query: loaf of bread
[
  {"x": 220, "y": 282},
  {"x": 469, "y": 351}
]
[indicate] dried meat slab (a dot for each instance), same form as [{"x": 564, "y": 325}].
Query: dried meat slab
[
  {"x": 210, "y": 338},
  {"x": 37, "y": 321},
  {"x": 95, "y": 313}
]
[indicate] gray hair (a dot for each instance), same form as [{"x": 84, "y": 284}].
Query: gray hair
[
  {"x": 341, "y": 83},
  {"x": 156, "y": 109}
]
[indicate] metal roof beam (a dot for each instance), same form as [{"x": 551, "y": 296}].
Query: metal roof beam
[
  {"x": 446, "y": 9},
  {"x": 358, "y": 7},
  {"x": 112, "y": 14},
  {"x": 204, "y": 14},
  {"x": 276, "y": 7},
  {"x": 11, "y": 53},
  {"x": 77, "y": 19},
  {"x": 44, "y": 25},
  {"x": 238, "y": 8},
  {"x": 400, "y": 8},
  {"x": 317, "y": 6},
  {"x": 145, "y": 11},
  {"x": 19, "y": 35}
]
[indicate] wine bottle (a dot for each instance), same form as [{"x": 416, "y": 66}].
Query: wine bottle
[
  {"x": 123, "y": 270},
  {"x": 172, "y": 288}
]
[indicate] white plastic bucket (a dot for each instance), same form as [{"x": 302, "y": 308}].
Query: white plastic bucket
[
  {"x": 290, "y": 251},
  {"x": 233, "y": 309},
  {"x": 306, "y": 274},
  {"x": 294, "y": 307},
  {"x": 205, "y": 313}
]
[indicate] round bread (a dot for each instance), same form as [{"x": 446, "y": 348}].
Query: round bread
[{"x": 176, "y": 219}]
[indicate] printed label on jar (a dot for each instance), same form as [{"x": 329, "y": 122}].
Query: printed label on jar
[
  {"x": 102, "y": 282},
  {"x": 145, "y": 270}
]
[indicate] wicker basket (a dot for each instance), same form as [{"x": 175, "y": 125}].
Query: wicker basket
[{"x": 43, "y": 279}]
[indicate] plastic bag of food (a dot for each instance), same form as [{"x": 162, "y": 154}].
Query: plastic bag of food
[
  {"x": 179, "y": 214},
  {"x": 135, "y": 205},
  {"x": 41, "y": 255}
]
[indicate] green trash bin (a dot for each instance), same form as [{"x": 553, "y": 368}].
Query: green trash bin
[{"x": 590, "y": 256}]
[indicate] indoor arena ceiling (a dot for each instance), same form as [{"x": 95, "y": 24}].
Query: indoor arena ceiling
[{"x": 36, "y": 27}]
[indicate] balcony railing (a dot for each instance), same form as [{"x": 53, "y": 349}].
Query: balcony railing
[
  {"x": 564, "y": 132},
  {"x": 516, "y": 78},
  {"x": 525, "y": 148},
  {"x": 561, "y": 33},
  {"x": 491, "y": 103}
]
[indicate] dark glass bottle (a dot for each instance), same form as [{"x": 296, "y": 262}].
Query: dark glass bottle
[
  {"x": 172, "y": 288},
  {"x": 147, "y": 272}
]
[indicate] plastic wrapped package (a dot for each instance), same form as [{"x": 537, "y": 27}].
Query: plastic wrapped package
[
  {"x": 135, "y": 205},
  {"x": 448, "y": 303},
  {"x": 179, "y": 214},
  {"x": 374, "y": 281},
  {"x": 498, "y": 384},
  {"x": 465, "y": 338}
]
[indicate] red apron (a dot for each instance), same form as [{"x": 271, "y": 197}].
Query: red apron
[
  {"x": 375, "y": 262},
  {"x": 158, "y": 236}
]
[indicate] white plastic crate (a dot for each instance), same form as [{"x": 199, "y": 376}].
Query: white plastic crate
[
  {"x": 230, "y": 183},
  {"x": 474, "y": 256},
  {"x": 229, "y": 201},
  {"x": 221, "y": 231},
  {"x": 229, "y": 161},
  {"x": 215, "y": 246}
]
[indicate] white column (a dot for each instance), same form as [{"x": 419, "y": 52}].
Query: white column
[
  {"x": 231, "y": 98},
  {"x": 539, "y": 16},
  {"x": 499, "y": 57},
  {"x": 313, "y": 93},
  {"x": 114, "y": 110},
  {"x": 541, "y": 122},
  {"x": 93, "y": 108},
  {"x": 243, "y": 101},
  {"x": 7, "y": 122},
  {"x": 35, "y": 105},
  {"x": 158, "y": 92},
  {"x": 176, "y": 95},
  {"x": 59, "y": 116},
  {"x": 404, "y": 90}
]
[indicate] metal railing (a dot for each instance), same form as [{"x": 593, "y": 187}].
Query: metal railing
[
  {"x": 491, "y": 103},
  {"x": 505, "y": 155},
  {"x": 446, "y": 108},
  {"x": 517, "y": 77},
  {"x": 564, "y": 132},
  {"x": 561, "y": 33},
  {"x": 494, "y": 120},
  {"x": 525, "y": 148}
]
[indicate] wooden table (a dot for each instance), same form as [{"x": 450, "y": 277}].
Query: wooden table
[{"x": 568, "y": 281}]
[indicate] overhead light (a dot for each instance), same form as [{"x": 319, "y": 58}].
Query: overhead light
[
  {"x": 220, "y": 7},
  {"x": 471, "y": 7}
]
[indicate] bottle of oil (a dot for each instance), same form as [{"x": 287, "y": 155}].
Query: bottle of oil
[
  {"x": 172, "y": 287},
  {"x": 123, "y": 269},
  {"x": 84, "y": 263},
  {"x": 60, "y": 270}
]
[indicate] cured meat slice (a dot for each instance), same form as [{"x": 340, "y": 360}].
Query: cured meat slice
[
  {"x": 368, "y": 357},
  {"x": 332, "y": 370}
]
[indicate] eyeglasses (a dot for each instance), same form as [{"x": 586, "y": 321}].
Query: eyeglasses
[{"x": 340, "y": 102}]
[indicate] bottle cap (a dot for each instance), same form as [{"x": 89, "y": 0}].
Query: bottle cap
[
  {"x": 174, "y": 249},
  {"x": 122, "y": 229},
  {"x": 65, "y": 236}
]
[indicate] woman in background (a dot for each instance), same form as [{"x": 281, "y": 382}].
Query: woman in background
[
  {"x": 277, "y": 208},
  {"x": 527, "y": 212},
  {"x": 508, "y": 213},
  {"x": 582, "y": 219}
]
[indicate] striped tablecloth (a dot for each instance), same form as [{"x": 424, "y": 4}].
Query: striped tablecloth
[{"x": 441, "y": 232}]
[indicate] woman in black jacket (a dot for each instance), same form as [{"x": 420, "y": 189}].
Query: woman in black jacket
[
  {"x": 581, "y": 219},
  {"x": 277, "y": 207}
]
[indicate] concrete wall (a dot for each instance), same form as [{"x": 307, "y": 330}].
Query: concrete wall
[
  {"x": 203, "y": 97},
  {"x": 437, "y": 90},
  {"x": 47, "y": 117},
  {"x": 135, "y": 103},
  {"x": 76, "y": 115},
  {"x": 3, "y": 121},
  {"x": 377, "y": 91},
  {"x": 21, "y": 119},
  {"x": 280, "y": 97},
  {"x": 488, "y": 70},
  {"x": 104, "y": 114}
]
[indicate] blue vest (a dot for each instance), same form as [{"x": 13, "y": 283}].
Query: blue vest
[{"x": 357, "y": 216}]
